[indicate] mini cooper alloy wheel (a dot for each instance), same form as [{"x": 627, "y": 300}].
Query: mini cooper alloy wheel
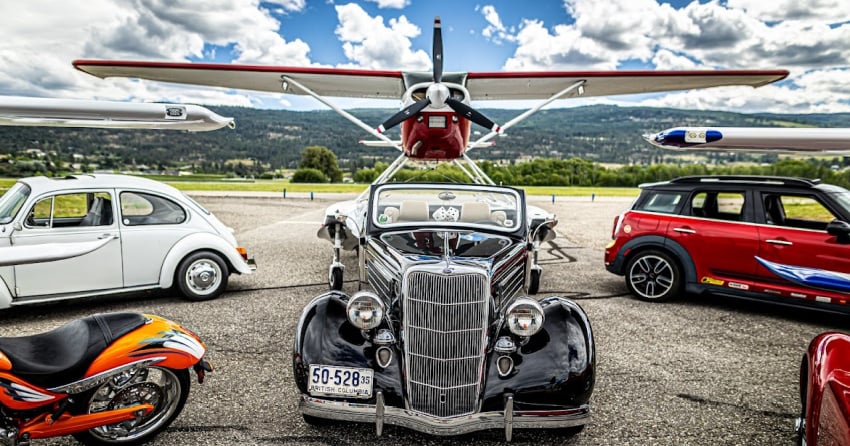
[{"x": 653, "y": 276}]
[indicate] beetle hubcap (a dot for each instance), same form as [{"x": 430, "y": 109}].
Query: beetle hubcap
[
  {"x": 203, "y": 276},
  {"x": 651, "y": 277}
]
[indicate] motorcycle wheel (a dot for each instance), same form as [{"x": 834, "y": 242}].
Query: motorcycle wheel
[{"x": 166, "y": 389}]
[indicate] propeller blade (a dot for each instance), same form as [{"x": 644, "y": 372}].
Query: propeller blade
[
  {"x": 472, "y": 114},
  {"x": 406, "y": 113},
  {"x": 438, "y": 51}
]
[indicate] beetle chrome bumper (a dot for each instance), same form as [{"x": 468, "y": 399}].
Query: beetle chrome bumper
[{"x": 380, "y": 414}]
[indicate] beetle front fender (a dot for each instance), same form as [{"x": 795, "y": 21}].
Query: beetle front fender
[{"x": 199, "y": 242}]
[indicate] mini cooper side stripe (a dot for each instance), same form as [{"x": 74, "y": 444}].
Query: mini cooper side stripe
[{"x": 809, "y": 277}]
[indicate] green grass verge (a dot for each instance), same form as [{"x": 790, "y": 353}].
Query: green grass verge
[{"x": 280, "y": 185}]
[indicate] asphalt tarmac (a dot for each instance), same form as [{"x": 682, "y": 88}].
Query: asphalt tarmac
[{"x": 701, "y": 370}]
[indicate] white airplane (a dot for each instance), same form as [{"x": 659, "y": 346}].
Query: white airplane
[
  {"x": 27, "y": 111},
  {"x": 436, "y": 114},
  {"x": 754, "y": 139},
  {"x": 30, "y": 111}
]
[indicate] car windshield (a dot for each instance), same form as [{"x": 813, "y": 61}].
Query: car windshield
[
  {"x": 11, "y": 202},
  {"x": 440, "y": 205},
  {"x": 843, "y": 198}
]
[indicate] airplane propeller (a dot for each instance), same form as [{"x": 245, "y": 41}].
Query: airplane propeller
[{"x": 438, "y": 94}]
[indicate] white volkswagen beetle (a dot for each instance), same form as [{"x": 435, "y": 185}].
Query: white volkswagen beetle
[{"x": 86, "y": 235}]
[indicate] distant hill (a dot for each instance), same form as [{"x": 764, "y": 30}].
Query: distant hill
[{"x": 601, "y": 133}]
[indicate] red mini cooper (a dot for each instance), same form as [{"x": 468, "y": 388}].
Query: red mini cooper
[{"x": 785, "y": 240}]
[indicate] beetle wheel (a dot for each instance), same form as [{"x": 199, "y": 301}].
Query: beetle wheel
[{"x": 202, "y": 276}]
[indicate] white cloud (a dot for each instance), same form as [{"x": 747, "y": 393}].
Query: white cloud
[
  {"x": 36, "y": 48},
  {"x": 397, "y": 4},
  {"x": 828, "y": 11},
  {"x": 369, "y": 43},
  {"x": 495, "y": 31}
]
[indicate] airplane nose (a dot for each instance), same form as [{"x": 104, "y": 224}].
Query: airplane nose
[{"x": 437, "y": 94}]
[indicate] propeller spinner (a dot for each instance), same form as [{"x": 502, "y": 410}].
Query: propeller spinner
[{"x": 438, "y": 94}]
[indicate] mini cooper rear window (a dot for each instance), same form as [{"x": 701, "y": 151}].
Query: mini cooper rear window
[{"x": 664, "y": 202}]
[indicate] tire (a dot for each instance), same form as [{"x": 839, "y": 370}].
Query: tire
[
  {"x": 534, "y": 281},
  {"x": 202, "y": 276},
  {"x": 335, "y": 281},
  {"x": 165, "y": 388},
  {"x": 653, "y": 276}
]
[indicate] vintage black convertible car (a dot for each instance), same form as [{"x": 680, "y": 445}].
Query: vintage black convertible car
[{"x": 442, "y": 338}]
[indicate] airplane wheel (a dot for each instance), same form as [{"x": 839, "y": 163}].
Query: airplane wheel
[
  {"x": 336, "y": 279},
  {"x": 534, "y": 283}
]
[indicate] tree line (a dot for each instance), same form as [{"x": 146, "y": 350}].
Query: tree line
[{"x": 318, "y": 164}]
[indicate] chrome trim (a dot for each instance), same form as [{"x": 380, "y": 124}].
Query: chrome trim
[
  {"x": 505, "y": 345},
  {"x": 96, "y": 380},
  {"x": 444, "y": 353},
  {"x": 379, "y": 413},
  {"x": 520, "y": 419},
  {"x": 779, "y": 242},
  {"x": 509, "y": 418}
]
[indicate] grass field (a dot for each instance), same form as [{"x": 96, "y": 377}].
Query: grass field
[{"x": 280, "y": 185}]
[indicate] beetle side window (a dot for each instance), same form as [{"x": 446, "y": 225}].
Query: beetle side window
[
  {"x": 663, "y": 202},
  {"x": 71, "y": 210},
  {"x": 139, "y": 208},
  {"x": 718, "y": 205},
  {"x": 796, "y": 211}
]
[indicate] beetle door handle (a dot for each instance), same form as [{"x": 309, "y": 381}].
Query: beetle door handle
[
  {"x": 104, "y": 236},
  {"x": 779, "y": 242},
  {"x": 685, "y": 230}
]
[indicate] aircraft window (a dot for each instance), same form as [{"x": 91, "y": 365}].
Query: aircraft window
[{"x": 138, "y": 208}]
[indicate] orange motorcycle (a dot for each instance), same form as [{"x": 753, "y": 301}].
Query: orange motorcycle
[{"x": 107, "y": 379}]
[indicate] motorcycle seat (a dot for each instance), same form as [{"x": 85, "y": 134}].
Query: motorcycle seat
[{"x": 62, "y": 356}]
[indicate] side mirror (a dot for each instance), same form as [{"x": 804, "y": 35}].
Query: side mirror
[
  {"x": 544, "y": 232},
  {"x": 840, "y": 229}
]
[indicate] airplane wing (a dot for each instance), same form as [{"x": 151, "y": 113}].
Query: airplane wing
[
  {"x": 27, "y": 111},
  {"x": 324, "y": 81},
  {"x": 542, "y": 85},
  {"x": 754, "y": 139},
  {"x": 391, "y": 85}
]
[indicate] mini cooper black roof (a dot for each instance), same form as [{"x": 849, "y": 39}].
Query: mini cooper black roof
[{"x": 689, "y": 182}]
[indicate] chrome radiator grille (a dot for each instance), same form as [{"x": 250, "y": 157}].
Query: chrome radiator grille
[{"x": 445, "y": 318}]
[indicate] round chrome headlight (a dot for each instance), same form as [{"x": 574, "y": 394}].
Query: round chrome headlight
[
  {"x": 365, "y": 310},
  {"x": 525, "y": 317}
]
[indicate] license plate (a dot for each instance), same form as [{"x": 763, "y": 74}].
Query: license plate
[{"x": 348, "y": 382}]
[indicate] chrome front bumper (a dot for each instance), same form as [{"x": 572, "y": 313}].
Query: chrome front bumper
[{"x": 380, "y": 414}]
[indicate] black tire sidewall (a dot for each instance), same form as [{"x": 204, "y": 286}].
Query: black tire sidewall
[
  {"x": 87, "y": 438},
  {"x": 180, "y": 279},
  {"x": 676, "y": 286}
]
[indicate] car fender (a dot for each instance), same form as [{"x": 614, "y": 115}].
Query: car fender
[
  {"x": 199, "y": 242},
  {"x": 324, "y": 336},
  {"x": 558, "y": 363},
  {"x": 827, "y": 383},
  {"x": 5, "y": 295},
  {"x": 688, "y": 269}
]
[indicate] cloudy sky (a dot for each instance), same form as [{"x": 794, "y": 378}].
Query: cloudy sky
[{"x": 40, "y": 38}]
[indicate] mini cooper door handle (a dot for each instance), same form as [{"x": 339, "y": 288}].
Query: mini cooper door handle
[
  {"x": 779, "y": 242},
  {"x": 685, "y": 230}
]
